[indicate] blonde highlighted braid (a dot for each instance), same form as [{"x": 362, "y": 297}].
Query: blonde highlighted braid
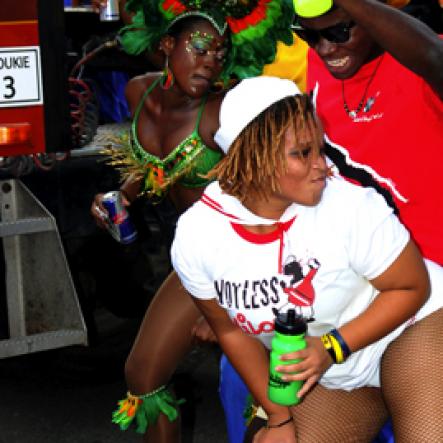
[{"x": 256, "y": 159}]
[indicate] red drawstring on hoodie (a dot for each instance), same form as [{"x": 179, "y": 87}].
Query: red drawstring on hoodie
[{"x": 281, "y": 245}]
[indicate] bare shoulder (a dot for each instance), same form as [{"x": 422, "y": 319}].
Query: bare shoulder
[
  {"x": 136, "y": 87},
  {"x": 215, "y": 100},
  {"x": 210, "y": 119},
  {"x": 212, "y": 108}
]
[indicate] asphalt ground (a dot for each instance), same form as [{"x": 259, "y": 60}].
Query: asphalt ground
[{"x": 68, "y": 395}]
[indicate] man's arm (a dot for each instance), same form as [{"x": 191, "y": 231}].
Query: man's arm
[{"x": 406, "y": 38}]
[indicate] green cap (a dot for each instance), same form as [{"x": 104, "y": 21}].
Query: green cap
[{"x": 311, "y": 8}]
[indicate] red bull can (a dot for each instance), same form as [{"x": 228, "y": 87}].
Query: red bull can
[
  {"x": 119, "y": 224},
  {"x": 110, "y": 12}
]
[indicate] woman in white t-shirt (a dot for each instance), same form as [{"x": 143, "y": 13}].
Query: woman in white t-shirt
[{"x": 278, "y": 231}]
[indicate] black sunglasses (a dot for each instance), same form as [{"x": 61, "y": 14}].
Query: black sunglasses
[{"x": 339, "y": 33}]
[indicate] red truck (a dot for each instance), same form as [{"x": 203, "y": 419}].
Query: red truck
[{"x": 53, "y": 261}]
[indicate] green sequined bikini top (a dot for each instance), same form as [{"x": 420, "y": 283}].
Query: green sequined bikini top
[{"x": 185, "y": 164}]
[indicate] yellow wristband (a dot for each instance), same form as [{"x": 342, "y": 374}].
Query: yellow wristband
[
  {"x": 333, "y": 346},
  {"x": 340, "y": 358}
]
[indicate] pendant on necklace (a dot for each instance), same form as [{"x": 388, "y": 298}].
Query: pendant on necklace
[
  {"x": 369, "y": 103},
  {"x": 352, "y": 114}
]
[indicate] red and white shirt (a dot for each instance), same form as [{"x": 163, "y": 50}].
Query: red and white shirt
[
  {"x": 396, "y": 141},
  {"x": 318, "y": 260}
]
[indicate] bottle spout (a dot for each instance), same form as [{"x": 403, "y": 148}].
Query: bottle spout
[{"x": 290, "y": 323}]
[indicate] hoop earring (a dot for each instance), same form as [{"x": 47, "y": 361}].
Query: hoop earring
[{"x": 167, "y": 79}]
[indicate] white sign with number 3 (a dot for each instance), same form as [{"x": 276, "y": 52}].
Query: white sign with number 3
[{"x": 20, "y": 77}]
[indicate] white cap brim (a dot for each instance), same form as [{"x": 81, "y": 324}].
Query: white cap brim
[{"x": 247, "y": 100}]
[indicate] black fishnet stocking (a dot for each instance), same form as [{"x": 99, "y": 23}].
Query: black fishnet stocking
[
  {"x": 412, "y": 386},
  {"x": 412, "y": 381},
  {"x": 336, "y": 416}
]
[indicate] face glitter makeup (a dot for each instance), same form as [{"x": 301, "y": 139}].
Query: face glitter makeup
[{"x": 200, "y": 44}]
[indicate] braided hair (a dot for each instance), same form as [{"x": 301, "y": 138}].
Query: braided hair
[{"x": 256, "y": 159}]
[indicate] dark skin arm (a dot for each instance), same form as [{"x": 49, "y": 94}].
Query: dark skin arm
[
  {"x": 131, "y": 187},
  {"x": 251, "y": 361},
  {"x": 407, "y": 39},
  {"x": 133, "y": 92},
  {"x": 404, "y": 287}
]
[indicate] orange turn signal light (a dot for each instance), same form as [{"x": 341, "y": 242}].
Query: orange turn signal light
[{"x": 15, "y": 133}]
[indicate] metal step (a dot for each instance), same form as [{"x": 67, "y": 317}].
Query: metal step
[{"x": 43, "y": 311}]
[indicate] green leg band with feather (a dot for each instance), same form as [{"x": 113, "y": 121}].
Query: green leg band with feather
[{"x": 145, "y": 409}]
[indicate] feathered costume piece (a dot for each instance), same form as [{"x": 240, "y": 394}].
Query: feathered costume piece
[
  {"x": 255, "y": 27},
  {"x": 145, "y": 409}
]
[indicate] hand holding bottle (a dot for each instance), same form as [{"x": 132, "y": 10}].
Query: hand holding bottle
[
  {"x": 314, "y": 361},
  {"x": 289, "y": 337}
]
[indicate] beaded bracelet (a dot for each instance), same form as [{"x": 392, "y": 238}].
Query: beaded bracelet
[{"x": 279, "y": 425}]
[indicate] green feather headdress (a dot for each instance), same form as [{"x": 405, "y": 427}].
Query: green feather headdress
[{"x": 255, "y": 27}]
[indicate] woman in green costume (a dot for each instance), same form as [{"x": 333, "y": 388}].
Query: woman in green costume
[{"x": 169, "y": 148}]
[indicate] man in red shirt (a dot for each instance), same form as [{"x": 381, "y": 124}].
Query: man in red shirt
[{"x": 377, "y": 80}]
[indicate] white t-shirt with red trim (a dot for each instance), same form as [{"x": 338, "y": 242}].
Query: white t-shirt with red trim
[{"x": 318, "y": 261}]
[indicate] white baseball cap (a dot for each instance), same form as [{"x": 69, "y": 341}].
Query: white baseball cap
[{"x": 247, "y": 100}]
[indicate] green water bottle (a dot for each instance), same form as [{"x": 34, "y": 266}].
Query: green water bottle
[
  {"x": 311, "y": 8},
  {"x": 290, "y": 330}
]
